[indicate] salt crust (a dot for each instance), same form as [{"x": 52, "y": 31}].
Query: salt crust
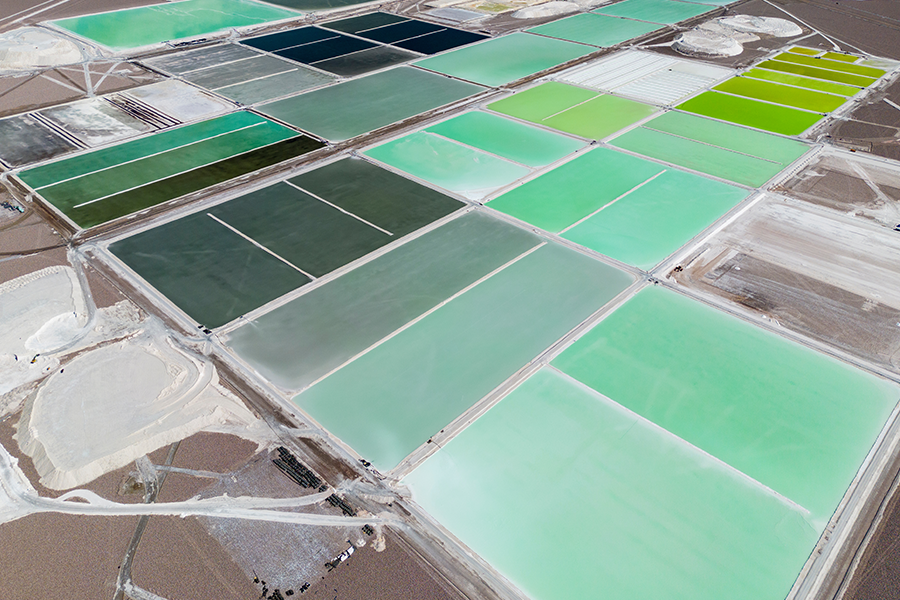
[
  {"x": 724, "y": 36},
  {"x": 28, "y": 48},
  {"x": 117, "y": 403},
  {"x": 119, "y": 386},
  {"x": 40, "y": 312}
]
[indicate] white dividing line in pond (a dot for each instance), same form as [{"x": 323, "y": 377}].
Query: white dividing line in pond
[
  {"x": 289, "y": 68},
  {"x": 323, "y": 60},
  {"x": 133, "y": 160},
  {"x": 481, "y": 150},
  {"x": 611, "y": 202},
  {"x": 754, "y": 482},
  {"x": 804, "y": 88},
  {"x": 423, "y": 315},
  {"x": 825, "y": 66},
  {"x": 327, "y": 39},
  {"x": 346, "y": 212},
  {"x": 258, "y": 245},
  {"x": 213, "y": 66},
  {"x": 570, "y": 108},
  {"x": 361, "y": 31},
  {"x": 415, "y": 37},
  {"x": 772, "y": 103},
  {"x": 774, "y": 162}
]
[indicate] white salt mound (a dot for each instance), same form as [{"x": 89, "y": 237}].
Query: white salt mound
[
  {"x": 40, "y": 312},
  {"x": 725, "y": 36},
  {"x": 717, "y": 27},
  {"x": 765, "y": 25},
  {"x": 117, "y": 403},
  {"x": 706, "y": 43},
  {"x": 32, "y": 47}
]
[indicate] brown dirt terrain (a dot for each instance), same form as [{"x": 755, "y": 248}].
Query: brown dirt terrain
[
  {"x": 62, "y": 557},
  {"x": 16, "y": 13},
  {"x": 178, "y": 560}
]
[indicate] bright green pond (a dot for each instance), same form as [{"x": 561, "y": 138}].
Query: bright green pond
[
  {"x": 781, "y": 94},
  {"x": 818, "y": 73},
  {"x": 656, "y": 219},
  {"x": 573, "y": 109},
  {"x": 507, "y": 138},
  {"x": 745, "y": 111},
  {"x": 559, "y": 198},
  {"x": 734, "y": 153},
  {"x": 832, "y": 65},
  {"x": 806, "y": 82}
]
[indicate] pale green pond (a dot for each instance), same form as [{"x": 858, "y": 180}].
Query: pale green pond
[
  {"x": 673, "y": 452},
  {"x": 570, "y": 496},
  {"x": 391, "y": 400}
]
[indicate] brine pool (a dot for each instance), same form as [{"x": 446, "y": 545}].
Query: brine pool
[{"x": 672, "y": 452}]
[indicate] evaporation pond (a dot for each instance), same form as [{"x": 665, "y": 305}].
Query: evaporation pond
[
  {"x": 794, "y": 420},
  {"x": 746, "y": 111},
  {"x": 25, "y": 140},
  {"x": 566, "y": 493},
  {"x": 831, "y": 65},
  {"x": 596, "y": 30},
  {"x": 354, "y": 107},
  {"x": 94, "y": 121},
  {"x": 454, "y": 167},
  {"x": 728, "y": 151},
  {"x": 146, "y": 25},
  {"x": 240, "y": 73},
  {"x": 573, "y": 109},
  {"x": 653, "y": 221},
  {"x": 365, "y": 22},
  {"x": 507, "y": 138},
  {"x": 307, "y": 234},
  {"x": 655, "y": 11},
  {"x": 818, "y": 73},
  {"x": 475, "y": 153},
  {"x": 504, "y": 59},
  {"x": 105, "y": 184},
  {"x": 558, "y": 199},
  {"x": 804, "y": 82},
  {"x": 310, "y": 336},
  {"x": 331, "y": 51},
  {"x": 209, "y": 271},
  {"x": 392, "y": 399},
  {"x": 787, "y": 95}
]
